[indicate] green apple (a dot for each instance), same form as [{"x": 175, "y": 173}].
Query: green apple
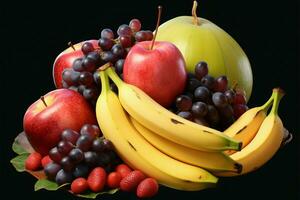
[{"x": 199, "y": 39}]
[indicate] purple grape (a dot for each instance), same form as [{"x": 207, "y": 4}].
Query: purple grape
[
  {"x": 135, "y": 25},
  {"x": 77, "y": 65},
  {"x": 219, "y": 100},
  {"x": 70, "y": 136},
  {"x": 202, "y": 94},
  {"x": 208, "y": 81},
  {"x": 76, "y": 155},
  {"x": 81, "y": 170},
  {"x": 67, "y": 164},
  {"x": 199, "y": 109},
  {"x": 201, "y": 70},
  {"x": 63, "y": 177},
  {"x": 88, "y": 64},
  {"x": 90, "y": 158},
  {"x": 107, "y": 33},
  {"x": 184, "y": 103},
  {"x": 221, "y": 84},
  {"x": 55, "y": 155},
  {"x": 98, "y": 145},
  {"x": 84, "y": 142},
  {"x": 119, "y": 66},
  {"x": 105, "y": 44},
  {"x": 86, "y": 78},
  {"x": 51, "y": 170},
  {"x": 64, "y": 147},
  {"x": 124, "y": 30},
  {"x": 87, "y": 47},
  {"x": 91, "y": 130}
]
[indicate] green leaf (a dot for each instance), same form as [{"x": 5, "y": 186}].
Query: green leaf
[
  {"x": 93, "y": 195},
  {"x": 47, "y": 185},
  {"x": 17, "y": 148},
  {"x": 19, "y": 162}
]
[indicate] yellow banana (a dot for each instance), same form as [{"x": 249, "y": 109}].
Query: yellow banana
[
  {"x": 212, "y": 161},
  {"x": 265, "y": 143},
  {"x": 116, "y": 127},
  {"x": 170, "y": 126},
  {"x": 246, "y": 127}
]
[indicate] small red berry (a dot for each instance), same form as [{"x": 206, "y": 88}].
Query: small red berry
[
  {"x": 147, "y": 188},
  {"x": 33, "y": 162},
  {"x": 114, "y": 179},
  {"x": 79, "y": 185},
  {"x": 46, "y": 160},
  {"x": 123, "y": 169},
  {"x": 97, "y": 179},
  {"x": 131, "y": 181}
]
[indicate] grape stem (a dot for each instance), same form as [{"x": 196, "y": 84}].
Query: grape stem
[
  {"x": 157, "y": 25},
  {"x": 194, "y": 13},
  {"x": 43, "y": 100},
  {"x": 71, "y": 45}
]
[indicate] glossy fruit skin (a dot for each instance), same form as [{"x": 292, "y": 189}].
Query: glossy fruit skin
[
  {"x": 213, "y": 45},
  {"x": 79, "y": 185},
  {"x": 45, "y": 161},
  {"x": 123, "y": 169},
  {"x": 66, "y": 109},
  {"x": 65, "y": 60},
  {"x": 97, "y": 179},
  {"x": 114, "y": 179},
  {"x": 131, "y": 181},
  {"x": 159, "y": 72},
  {"x": 33, "y": 162},
  {"x": 147, "y": 188}
]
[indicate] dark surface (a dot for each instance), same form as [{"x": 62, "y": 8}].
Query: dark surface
[{"x": 36, "y": 33}]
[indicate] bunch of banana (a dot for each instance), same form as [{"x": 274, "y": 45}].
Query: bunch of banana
[
  {"x": 178, "y": 152},
  {"x": 139, "y": 153},
  {"x": 263, "y": 143}
]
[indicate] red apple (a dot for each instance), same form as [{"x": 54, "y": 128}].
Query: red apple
[
  {"x": 45, "y": 120},
  {"x": 160, "y": 72},
  {"x": 65, "y": 60}
]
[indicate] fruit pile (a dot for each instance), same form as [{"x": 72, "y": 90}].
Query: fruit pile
[
  {"x": 209, "y": 101},
  {"x": 127, "y": 115}
]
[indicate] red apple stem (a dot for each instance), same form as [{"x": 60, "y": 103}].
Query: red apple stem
[
  {"x": 194, "y": 13},
  {"x": 43, "y": 100},
  {"x": 71, "y": 45},
  {"x": 157, "y": 25}
]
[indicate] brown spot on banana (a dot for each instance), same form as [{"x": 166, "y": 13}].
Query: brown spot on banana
[
  {"x": 131, "y": 146},
  {"x": 174, "y": 121}
]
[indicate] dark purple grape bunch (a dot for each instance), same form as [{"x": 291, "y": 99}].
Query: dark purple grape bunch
[
  {"x": 209, "y": 101},
  {"x": 78, "y": 153},
  {"x": 84, "y": 78},
  {"x": 115, "y": 49}
]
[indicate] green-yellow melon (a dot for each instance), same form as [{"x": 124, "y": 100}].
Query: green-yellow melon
[{"x": 207, "y": 42}]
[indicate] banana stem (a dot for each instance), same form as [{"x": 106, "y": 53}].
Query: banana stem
[
  {"x": 278, "y": 94},
  {"x": 104, "y": 82},
  {"x": 267, "y": 105},
  {"x": 194, "y": 13},
  {"x": 112, "y": 74}
]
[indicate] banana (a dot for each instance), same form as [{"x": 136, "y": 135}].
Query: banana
[
  {"x": 265, "y": 143},
  {"x": 212, "y": 161},
  {"x": 246, "y": 127},
  {"x": 139, "y": 154},
  {"x": 167, "y": 124}
]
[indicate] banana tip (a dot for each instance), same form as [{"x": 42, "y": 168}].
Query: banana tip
[
  {"x": 279, "y": 90},
  {"x": 238, "y": 167}
]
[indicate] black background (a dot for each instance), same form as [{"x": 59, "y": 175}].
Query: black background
[{"x": 35, "y": 33}]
